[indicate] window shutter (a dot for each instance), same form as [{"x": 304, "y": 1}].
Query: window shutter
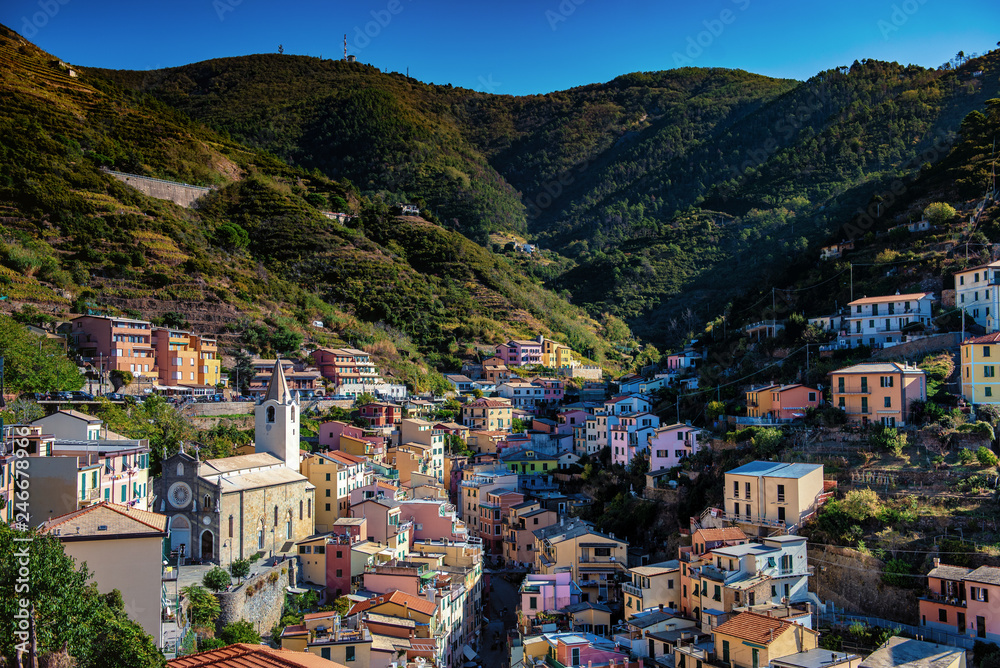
[{"x": 986, "y": 595}]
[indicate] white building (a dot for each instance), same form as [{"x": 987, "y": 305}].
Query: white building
[
  {"x": 976, "y": 291},
  {"x": 879, "y": 321}
]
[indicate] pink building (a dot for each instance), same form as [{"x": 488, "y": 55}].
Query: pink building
[
  {"x": 628, "y": 437},
  {"x": 682, "y": 360},
  {"x": 338, "y": 564},
  {"x": 541, "y": 593},
  {"x": 672, "y": 444},
  {"x": 960, "y": 601},
  {"x": 392, "y": 577},
  {"x": 587, "y": 649},
  {"x": 492, "y": 512},
  {"x": 567, "y": 420},
  {"x": 330, "y": 433},
  {"x": 433, "y": 520},
  {"x": 555, "y": 389},
  {"x": 383, "y": 517},
  {"x": 520, "y": 353},
  {"x": 374, "y": 490},
  {"x": 381, "y": 413}
]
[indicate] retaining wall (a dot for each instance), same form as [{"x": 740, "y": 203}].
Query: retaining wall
[
  {"x": 180, "y": 194},
  {"x": 260, "y": 599}
]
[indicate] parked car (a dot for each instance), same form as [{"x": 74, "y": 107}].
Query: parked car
[
  {"x": 61, "y": 396},
  {"x": 34, "y": 396},
  {"x": 114, "y": 396},
  {"x": 80, "y": 395}
]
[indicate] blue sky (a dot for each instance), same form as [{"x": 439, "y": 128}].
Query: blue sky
[{"x": 514, "y": 46}]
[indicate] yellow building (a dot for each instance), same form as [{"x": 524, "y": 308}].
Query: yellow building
[
  {"x": 312, "y": 561},
  {"x": 208, "y": 366},
  {"x": 652, "y": 586},
  {"x": 321, "y": 634},
  {"x": 980, "y": 358},
  {"x": 415, "y": 430},
  {"x": 487, "y": 415},
  {"x": 335, "y": 475},
  {"x": 773, "y": 493},
  {"x": 750, "y": 640},
  {"x": 556, "y": 355},
  {"x": 595, "y": 559},
  {"x": 878, "y": 392}
]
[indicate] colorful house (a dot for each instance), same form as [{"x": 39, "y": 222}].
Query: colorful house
[
  {"x": 781, "y": 402},
  {"x": 381, "y": 413},
  {"x": 771, "y": 493},
  {"x": 976, "y": 293},
  {"x": 516, "y": 353},
  {"x": 652, "y": 586},
  {"x": 878, "y": 392},
  {"x": 980, "y": 358},
  {"x": 111, "y": 344},
  {"x": 671, "y": 445},
  {"x": 487, "y": 415},
  {"x": 958, "y": 601},
  {"x": 885, "y": 321},
  {"x": 753, "y": 640}
]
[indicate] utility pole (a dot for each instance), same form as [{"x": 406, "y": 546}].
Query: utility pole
[{"x": 851, "y": 265}]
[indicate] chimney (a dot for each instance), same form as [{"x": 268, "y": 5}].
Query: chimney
[
  {"x": 661, "y": 607},
  {"x": 937, "y": 562}
]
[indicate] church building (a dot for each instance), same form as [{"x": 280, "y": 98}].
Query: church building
[{"x": 225, "y": 509}]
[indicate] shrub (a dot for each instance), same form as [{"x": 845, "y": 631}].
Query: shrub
[
  {"x": 240, "y": 631},
  {"x": 965, "y": 456},
  {"x": 240, "y": 568},
  {"x": 216, "y": 579},
  {"x": 986, "y": 456}
]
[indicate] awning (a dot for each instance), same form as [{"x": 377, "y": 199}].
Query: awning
[{"x": 469, "y": 653}]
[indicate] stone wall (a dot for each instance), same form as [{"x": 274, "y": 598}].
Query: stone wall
[
  {"x": 920, "y": 347},
  {"x": 260, "y": 599},
  {"x": 180, "y": 194}
]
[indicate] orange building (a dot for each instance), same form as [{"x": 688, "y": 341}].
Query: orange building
[
  {"x": 781, "y": 402},
  {"x": 186, "y": 359},
  {"x": 878, "y": 392},
  {"x": 111, "y": 344}
]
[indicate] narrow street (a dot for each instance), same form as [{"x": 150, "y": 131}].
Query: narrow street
[{"x": 504, "y": 595}]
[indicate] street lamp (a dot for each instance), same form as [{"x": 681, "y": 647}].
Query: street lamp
[{"x": 229, "y": 542}]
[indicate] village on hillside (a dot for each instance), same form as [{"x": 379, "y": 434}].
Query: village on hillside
[{"x": 369, "y": 526}]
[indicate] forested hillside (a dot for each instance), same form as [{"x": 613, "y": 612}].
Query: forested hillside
[
  {"x": 649, "y": 187},
  {"x": 256, "y": 262}
]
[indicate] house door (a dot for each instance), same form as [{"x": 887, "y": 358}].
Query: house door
[
  {"x": 207, "y": 545},
  {"x": 751, "y": 599},
  {"x": 981, "y": 626},
  {"x": 781, "y": 513},
  {"x": 756, "y": 657},
  {"x": 652, "y": 650},
  {"x": 961, "y": 623}
]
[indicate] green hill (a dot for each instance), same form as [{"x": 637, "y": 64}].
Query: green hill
[
  {"x": 256, "y": 251},
  {"x": 651, "y": 188}
]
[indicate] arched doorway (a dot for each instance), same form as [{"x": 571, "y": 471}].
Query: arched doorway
[
  {"x": 207, "y": 545},
  {"x": 180, "y": 534}
]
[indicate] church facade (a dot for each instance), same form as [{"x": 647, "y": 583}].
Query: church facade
[{"x": 225, "y": 509}]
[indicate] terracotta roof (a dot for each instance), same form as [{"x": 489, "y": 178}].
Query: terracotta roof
[
  {"x": 116, "y": 519},
  {"x": 399, "y": 598},
  {"x": 725, "y": 533},
  {"x": 989, "y": 338},
  {"x": 754, "y": 628},
  {"x": 890, "y": 298},
  {"x": 488, "y": 403},
  {"x": 244, "y": 655}
]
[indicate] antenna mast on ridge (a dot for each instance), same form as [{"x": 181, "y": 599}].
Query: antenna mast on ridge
[{"x": 345, "y": 46}]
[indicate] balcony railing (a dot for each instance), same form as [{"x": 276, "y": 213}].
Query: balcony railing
[
  {"x": 853, "y": 390},
  {"x": 946, "y": 600},
  {"x": 630, "y": 588}
]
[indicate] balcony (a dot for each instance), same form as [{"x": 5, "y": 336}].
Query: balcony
[
  {"x": 591, "y": 559},
  {"x": 853, "y": 390},
  {"x": 630, "y": 588},
  {"x": 953, "y": 601}
]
